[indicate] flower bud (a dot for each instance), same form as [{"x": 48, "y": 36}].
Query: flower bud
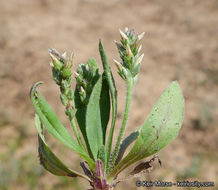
[
  {"x": 56, "y": 63},
  {"x": 66, "y": 73},
  {"x": 123, "y": 36},
  {"x": 64, "y": 99},
  {"x": 140, "y": 36}
]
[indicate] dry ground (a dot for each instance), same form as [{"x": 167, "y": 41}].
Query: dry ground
[{"x": 181, "y": 43}]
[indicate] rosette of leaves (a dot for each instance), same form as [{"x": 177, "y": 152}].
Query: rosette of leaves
[{"x": 89, "y": 107}]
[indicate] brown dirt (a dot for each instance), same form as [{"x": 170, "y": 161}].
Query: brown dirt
[{"x": 181, "y": 43}]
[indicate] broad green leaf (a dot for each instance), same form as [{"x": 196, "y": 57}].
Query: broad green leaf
[
  {"x": 104, "y": 107},
  {"x": 113, "y": 93},
  {"x": 159, "y": 129},
  {"x": 93, "y": 119},
  {"x": 48, "y": 159},
  {"x": 53, "y": 125}
]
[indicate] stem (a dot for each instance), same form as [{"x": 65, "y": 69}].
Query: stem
[
  {"x": 77, "y": 133},
  {"x": 125, "y": 118},
  {"x": 79, "y": 140},
  {"x": 110, "y": 138}
]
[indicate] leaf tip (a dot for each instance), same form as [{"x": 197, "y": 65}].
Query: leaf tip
[
  {"x": 100, "y": 44},
  {"x": 33, "y": 88}
]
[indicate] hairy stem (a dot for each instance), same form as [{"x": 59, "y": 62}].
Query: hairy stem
[{"x": 124, "y": 122}]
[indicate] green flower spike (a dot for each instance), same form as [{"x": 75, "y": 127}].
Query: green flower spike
[
  {"x": 129, "y": 50},
  {"x": 62, "y": 75}
]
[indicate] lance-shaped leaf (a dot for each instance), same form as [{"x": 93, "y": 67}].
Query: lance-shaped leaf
[
  {"x": 104, "y": 106},
  {"x": 81, "y": 118},
  {"x": 87, "y": 76},
  {"x": 94, "y": 129},
  {"x": 125, "y": 144},
  {"x": 113, "y": 94},
  {"x": 53, "y": 125},
  {"x": 160, "y": 128},
  {"x": 49, "y": 160}
]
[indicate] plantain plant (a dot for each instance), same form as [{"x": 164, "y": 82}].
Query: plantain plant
[{"x": 89, "y": 108}]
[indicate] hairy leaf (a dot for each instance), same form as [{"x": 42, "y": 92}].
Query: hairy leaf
[
  {"x": 48, "y": 159},
  {"x": 93, "y": 119},
  {"x": 159, "y": 129},
  {"x": 113, "y": 93},
  {"x": 88, "y": 76},
  {"x": 104, "y": 106},
  {"x": 125, "y": 144},
  {"x": 53, "y": 125}
]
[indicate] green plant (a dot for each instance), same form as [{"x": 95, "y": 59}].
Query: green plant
[{"x": 90, "y": 105}]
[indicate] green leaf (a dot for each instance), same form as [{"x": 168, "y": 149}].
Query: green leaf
[
  {"x": 113, "y": 93},
  {"x": 104, "y": 106},
  {"x": 125, "y": 144},
  {"x": 101, "y": 154},
  {"x": 88, "y": 76},
  {"x": 53, "y": 125},
  {"x": 159, "y": 129},
  {"x": 104, "y": 110},
  {"x": 49, "y": 160},
  {"x": 81, "y": 118},
  {"x": 93, "y": 119}
]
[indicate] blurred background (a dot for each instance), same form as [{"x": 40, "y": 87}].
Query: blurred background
[{"x": 181, "y": 43}]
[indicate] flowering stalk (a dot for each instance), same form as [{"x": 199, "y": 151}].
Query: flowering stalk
[
  {"x": 129, "y": 50},
  {"x": 124, "y": 122},
  {"x": 62, "y": 75}
]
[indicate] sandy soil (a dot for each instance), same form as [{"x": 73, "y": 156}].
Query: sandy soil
[{"x": 181, "y": 43}]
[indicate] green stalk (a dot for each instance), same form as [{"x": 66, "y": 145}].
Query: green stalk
[
  {"x": 110, "y": 138},
  {"x": 124, "y": 122},
  {"x": 79, "y": 140}
]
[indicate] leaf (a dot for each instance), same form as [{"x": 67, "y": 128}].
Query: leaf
[
  {"x": 159, "y": 129},
  {"x": 125, "y": 144},
  {"x": 113, "y": 93},
  {"x": 49, "y": 160},
  {"x": 80, "y": 113},
  {"x": 87, "y": 170},
  {"x": 53, "y": 125},
  {"x": 89, "y": 74},
  {"x": 101, "y": 154},
  {"x": 81, "y": 118},
  {"x": 93, "y": 119},
  {"x": 144, "y": 166},
  {"x": 104, "y": 106}
]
